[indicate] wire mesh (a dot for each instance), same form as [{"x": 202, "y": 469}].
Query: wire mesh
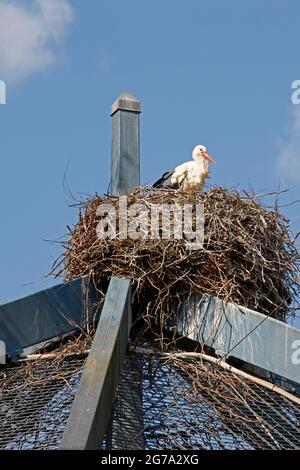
[
  {"x": 159, "y": 404},
  {"x": 164, "y": 405},
  {"x": 35, "y": 402}
]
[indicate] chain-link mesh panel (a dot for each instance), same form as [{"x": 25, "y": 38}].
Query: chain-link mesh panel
[
  {"x": 35, "y": 402},
  {"x": 167, "y": 405},
  {"x": 160, "y": 404}
]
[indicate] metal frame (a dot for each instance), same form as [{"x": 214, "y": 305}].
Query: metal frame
[
  {"x": 91, "y": 410},
  {"x": 232, "y": 331},
  {"x": 249, "y": 336},
  {"x": 46, "y": 315}
]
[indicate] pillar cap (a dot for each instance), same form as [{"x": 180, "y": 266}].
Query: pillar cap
[{"x": 126, "y": 102}]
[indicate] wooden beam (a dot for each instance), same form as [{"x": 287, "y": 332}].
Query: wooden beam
[
  {"x": 125, "y": 159},
  {"x": 91, "y": 410}
]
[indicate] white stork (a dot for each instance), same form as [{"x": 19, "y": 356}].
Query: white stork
[{"x": 189, "y": 176}]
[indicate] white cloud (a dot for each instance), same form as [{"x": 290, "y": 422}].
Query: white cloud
[
  {"x": 29, "y": 36},
  {"x": 289, "y": 155}
]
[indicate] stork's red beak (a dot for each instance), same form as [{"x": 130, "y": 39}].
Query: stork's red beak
[{"x": 208, "y": 157}]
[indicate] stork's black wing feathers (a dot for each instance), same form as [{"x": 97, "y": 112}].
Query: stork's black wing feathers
[{"x": 160, "y": 183}]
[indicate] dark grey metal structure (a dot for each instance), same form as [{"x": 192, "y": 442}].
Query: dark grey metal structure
[
  {"x": 121, "y": 400},
  {"x": 92, "y": 406},
  {"x": 49, "y": 314},
  {"x": 223, "y": 412},
  {"x": 271, "y": 346},
  {"x": 125, "y": 161}
]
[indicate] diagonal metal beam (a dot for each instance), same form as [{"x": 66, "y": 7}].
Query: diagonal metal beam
[
  {"x": 48, "y": 314},
  {"x": 91, "y": 410},
  {"x": 243, "y": 334}
]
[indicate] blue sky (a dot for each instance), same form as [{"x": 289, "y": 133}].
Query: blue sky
[{"x": 210, "y": 72}]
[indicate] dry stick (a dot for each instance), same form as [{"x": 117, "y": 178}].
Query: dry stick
[
  {"x": 34, "y": 357},
  {"x": 224, "y": 365}
]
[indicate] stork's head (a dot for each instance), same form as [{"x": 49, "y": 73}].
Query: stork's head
[{"x": 201, "y": 152}]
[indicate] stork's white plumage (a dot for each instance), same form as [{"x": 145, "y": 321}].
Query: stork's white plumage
[{"x": 189, "y": 176}]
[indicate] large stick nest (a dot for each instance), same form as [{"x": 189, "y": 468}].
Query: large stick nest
[{"x": 249, "y": 255}]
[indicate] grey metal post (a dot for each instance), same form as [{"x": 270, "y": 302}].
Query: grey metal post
[
  {"x": 125, "y": 158},
  {"x": 125, "y": 175}
]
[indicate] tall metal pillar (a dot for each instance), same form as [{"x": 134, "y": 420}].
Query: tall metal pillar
[{"x": 125, "y": 157}]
